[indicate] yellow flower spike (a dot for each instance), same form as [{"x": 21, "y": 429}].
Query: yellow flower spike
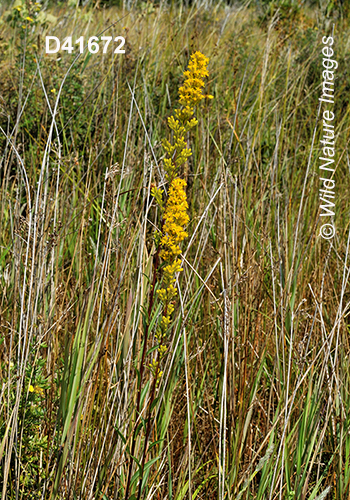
[
  {"x": 174, "y": 209},
  {"x": 191, "y": 91},
  {"x": 31, "y": 388}
]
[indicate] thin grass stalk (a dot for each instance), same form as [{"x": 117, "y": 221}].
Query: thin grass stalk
[{"x": 223, "y": 410}]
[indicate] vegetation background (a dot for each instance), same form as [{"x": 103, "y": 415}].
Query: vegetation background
[{"x": 254, "y": 399}]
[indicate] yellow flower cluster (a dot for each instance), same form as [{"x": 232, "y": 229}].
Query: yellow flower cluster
[
  {"x": 190, "y": 95},
  {"x": 36, "y": 389},
  {"x": 191, "y": 91},
  {"x": 175, "y": 217},
  {"x": 175, "y": 211}
]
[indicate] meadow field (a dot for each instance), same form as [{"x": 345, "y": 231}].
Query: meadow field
[{"x": 235, "y": 385}]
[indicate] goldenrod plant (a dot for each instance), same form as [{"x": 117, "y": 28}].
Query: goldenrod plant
[{"x": 174, "y": 218}]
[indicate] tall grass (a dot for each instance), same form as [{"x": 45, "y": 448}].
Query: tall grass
[{"x": 254, "y": 399}]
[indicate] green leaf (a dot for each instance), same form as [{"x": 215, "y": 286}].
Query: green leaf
[
  {"x": 144, "y": 392},
  {"x": 86, "y": 61}
]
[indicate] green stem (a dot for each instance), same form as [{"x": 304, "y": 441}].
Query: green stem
[{"x": 148, "y": 428}]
